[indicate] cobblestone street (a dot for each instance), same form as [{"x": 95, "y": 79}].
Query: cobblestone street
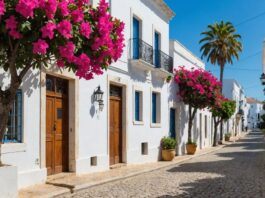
[{"x": 237, "y": 170}]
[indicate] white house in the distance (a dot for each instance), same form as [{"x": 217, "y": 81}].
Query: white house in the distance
[
  {"x": 255, "y": 111},
  {"x": 234, "y": 91}
]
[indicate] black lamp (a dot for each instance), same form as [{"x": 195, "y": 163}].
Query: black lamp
[{"x": 98, "y": 97}]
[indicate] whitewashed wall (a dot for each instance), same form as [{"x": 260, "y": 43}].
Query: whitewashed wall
[
  {"x": 26, "y": 155},
  {"x": 183, "y": 57}
]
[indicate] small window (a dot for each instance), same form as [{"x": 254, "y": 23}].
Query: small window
[
  {"x": 14, "y": 126},
  {"x": 155, "y": 107},
  {"x": 138, "y": 106}
]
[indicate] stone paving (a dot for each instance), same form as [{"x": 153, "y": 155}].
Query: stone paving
[{"x": 237, "y": 170}]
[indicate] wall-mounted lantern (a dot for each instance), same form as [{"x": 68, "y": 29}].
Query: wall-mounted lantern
[
  {"x": 264, "y": 91},
  {"x": 262, "y": 79},
  {"x": 98, "y": 97}
]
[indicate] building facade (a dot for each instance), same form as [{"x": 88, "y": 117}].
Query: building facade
[
  {"x": 57, "y": 124},
  {"x": 254, "y": 113}
]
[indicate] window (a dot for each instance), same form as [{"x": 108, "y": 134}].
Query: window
[
  {"x": 138, "y": 100},
  {"x": 172, "y": 123},
  {"x": 155, "y": 107},
  {"x": 136, "y": 37},
  {"x": 14, "y": 129},
  {"x": 157, "y": 49}
]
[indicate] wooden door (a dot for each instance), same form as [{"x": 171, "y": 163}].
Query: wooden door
[
  {"x": 56, "y": 125},
  {"x": 115, "y": 122}
]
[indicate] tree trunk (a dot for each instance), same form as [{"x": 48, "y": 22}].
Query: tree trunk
[
  {"x": 191, "y": 117},
  {"x": 216, "y": 123},
  {"x": 222, "y": 75},
  {"x": 221, "y": 131}
]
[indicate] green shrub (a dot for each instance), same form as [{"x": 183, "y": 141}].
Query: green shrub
[
  {"x": 228, "y": 135},
  {"x": 168, "y": 143}
]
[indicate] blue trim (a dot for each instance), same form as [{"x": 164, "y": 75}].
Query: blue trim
[
  {"x": 136, "y": 36},
  {"x": 154, "y": 110},
  {"x": 137, "y": 106},
  {"x": 156, "y": 49},
  {"x": 14, "y": 129},
  {"x": 172, "y": 123}
]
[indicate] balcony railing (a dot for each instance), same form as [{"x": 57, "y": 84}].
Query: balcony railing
[
  {"x": 143, "y": 51},
  {"x": 163, "y": 61}
]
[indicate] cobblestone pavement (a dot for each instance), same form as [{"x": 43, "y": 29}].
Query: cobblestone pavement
[{"x": 237, "y": 170}]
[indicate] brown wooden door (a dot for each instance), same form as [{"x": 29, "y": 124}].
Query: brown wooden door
[
  {"x": 56, "y": 125},
  {"x": 115, "y": 122}
]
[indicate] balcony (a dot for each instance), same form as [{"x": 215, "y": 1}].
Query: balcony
[{"x": 145, "y": 57}]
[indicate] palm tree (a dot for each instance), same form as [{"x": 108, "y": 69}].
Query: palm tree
[{"x": 221, "y": 45}]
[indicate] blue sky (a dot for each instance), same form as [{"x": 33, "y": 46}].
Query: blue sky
[{"x": 192, "y": 18}]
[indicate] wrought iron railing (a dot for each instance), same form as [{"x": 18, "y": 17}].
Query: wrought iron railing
[
  {"x": 144, "y": 51},
  {"x": 163, "y": 61}
]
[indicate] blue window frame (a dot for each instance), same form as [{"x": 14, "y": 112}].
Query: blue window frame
[
  {"x": 137, "y": 106},
  {"x": 14, "y": 128},
  {"x": 172, "y": 123},
  {"x": 157, "y": 49},
  {"x": 154, "y": 107},
  {"x": 136, "y": 36}
]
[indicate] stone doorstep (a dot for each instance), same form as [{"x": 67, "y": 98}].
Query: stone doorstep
[{"x": 65, "y": 184}]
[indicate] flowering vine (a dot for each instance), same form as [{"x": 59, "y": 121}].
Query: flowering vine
[{"x": 70, "y": 33}]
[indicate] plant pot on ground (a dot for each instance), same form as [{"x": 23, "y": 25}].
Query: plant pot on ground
[
  {"x": 168, "y": 148},
  {"x": 191, "y": 148},
  {"x": 227, "y": 136}
]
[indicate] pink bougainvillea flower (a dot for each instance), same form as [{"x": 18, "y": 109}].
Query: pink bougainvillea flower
[
  {"x": 77, "y": 15},
  {"x": 50, "y": 7},
  {"x": 48, "y": 30},
  {"x": 11, "y": 23},
  {"x": 67, "y": 51},
  {"x": 40, "y": 47},
  {"x": 2, "y": 7},
  {"x": 85, "y": 29},
  {"x": 63, "y": 6},
  {"x": 26, "y": 7},
  {"x": 83, "y": 2},
  {"x": 65, "y": 29},
  {"x": 15, "y": 34},
  {"x": 60, "y": 63}
]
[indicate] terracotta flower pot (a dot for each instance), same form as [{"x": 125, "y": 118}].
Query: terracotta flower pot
[
  {"x": 168, "y": 155},
  {"x": 191, "y": 148},
  {"x": 227, "y": 138}
]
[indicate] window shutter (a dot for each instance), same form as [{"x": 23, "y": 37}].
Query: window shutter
[
  {"x": 137, "y": 106},
  {"x": 154, "y": 101}
]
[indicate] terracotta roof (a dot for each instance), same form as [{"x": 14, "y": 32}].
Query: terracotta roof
[{"x": 253, "y": 101}]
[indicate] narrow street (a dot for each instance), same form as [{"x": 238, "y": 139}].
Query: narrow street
[{"x": 237, "y": 170}]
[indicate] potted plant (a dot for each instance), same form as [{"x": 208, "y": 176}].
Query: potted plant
[
  {"x": 227, "y": 136},
  {"x": 168, "y": 148},
  {"x": 191, "y": 147},
  {"x": 168, "y": 79}
]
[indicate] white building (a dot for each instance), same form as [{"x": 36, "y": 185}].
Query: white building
[
  {"x": 255, "y": 111},
  {"x": 57, "y": 126},
  {"x": 234, "y": 91},
  {"x": 202, "y": 125}
]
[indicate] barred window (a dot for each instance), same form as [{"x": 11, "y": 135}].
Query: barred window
[{"x": 14, "y": 128}]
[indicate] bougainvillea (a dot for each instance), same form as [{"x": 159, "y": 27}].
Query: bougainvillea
[
  {"x": 198, "y": 89},
  {"x": 70, "y": 34},
  {"x": 42, "y": 27}
]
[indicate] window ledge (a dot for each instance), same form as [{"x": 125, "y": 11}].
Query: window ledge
[
  {"x": 138, "y": 122},
  {"x": 12, "y": 148},
  {"x": 155, "y": 125}
]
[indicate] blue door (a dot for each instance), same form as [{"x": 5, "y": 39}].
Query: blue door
[
  {"x": 136, "y": 36},
  {"x": 156, "y": 49},
  {"x": 172, "y": 123}
]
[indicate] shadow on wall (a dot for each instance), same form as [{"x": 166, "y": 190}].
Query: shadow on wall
[
  {"x": 226, "y": 178},
  {"x": 30, "y": 81}
]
